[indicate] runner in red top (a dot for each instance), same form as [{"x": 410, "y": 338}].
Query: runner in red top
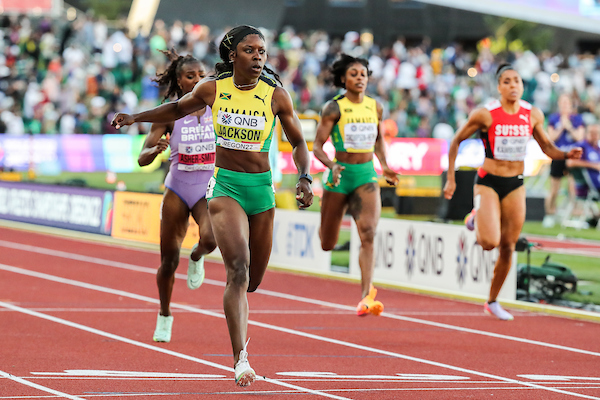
[{"x": 499, "y": 194}]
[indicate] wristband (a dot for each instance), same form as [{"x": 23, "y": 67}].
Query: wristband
[
  {"x": 565, "y": 155},
  {"x": 307, "y": 177}
]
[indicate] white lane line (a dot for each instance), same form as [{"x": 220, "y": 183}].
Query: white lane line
[
  {"x": 430, "y": 323},
  {"x": 352, "y": 309},
  {"x": 157, "y": 349},
  {"x": 273, "y": 392},
  {"x": 38, "y": 387},
  {"x": 255, "y": 323},
  {"x": 560, "y": 385}
]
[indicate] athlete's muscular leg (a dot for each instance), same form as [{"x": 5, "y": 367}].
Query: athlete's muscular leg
[
  {"x": 173, "y": 227},
  {"x": 207, "y": 241},
  {"x": 513, "y": 217},
  {"x": 365, "y": 208},
  {"x": 333, "y": 208},
  {"x": 487, "y": 217},
  {"x": 261, "y": 242},
  {"x": 232, "y": 232}
]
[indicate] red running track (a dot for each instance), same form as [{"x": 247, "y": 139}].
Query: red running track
[{"x": 77, "y": 319}]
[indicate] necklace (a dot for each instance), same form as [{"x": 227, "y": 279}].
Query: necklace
[{"x": 244, "y": 86}]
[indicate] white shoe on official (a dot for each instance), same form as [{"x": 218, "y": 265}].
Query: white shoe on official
[{"x": 548, "y": 221}]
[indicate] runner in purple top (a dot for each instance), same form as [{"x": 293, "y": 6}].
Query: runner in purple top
[
  {"x": 192, "y": 157},
  {"x": 192, "y": 163}
]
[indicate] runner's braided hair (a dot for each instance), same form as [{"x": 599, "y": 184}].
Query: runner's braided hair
[
  {"x": 171, "y": 74},
  {"x": 230, "y": 42},
  {"x": 340, "y": 66}
]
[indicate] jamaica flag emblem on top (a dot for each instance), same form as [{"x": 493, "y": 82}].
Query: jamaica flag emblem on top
[{"x": 225, "y": 96}]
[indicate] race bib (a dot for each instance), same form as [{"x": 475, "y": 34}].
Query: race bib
[
  {"x": 239, "y": 132},
  {"x": 233, "y": 145},
  {"x": 360, "y": 136},
  {"x": 512, "y": 148},
  {"x": 196, "y": 156}
]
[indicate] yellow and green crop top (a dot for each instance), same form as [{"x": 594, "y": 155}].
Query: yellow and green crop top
[
  {"x": 356, "y": 131},
  {"x": 243, "y": 119}
]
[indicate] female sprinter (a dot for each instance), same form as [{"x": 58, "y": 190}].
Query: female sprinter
[
  {"x": 499, "y": 195},
  {"x": 192, "y": 164},
  {"x": 352, "y": 120},
  {"x": 241, "y": 202}
]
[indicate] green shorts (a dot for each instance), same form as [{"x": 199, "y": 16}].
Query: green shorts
[
  {"x": 254, "y": 192},
  {"x": 353, "y": 176}
]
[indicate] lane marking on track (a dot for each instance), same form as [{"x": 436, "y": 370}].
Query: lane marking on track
[
  {"x": 274, "y": 392},
  {"x": 127, "y": 374},
  {"x": 560, "y": 378},
  {"x": 159, "y": 349},
  {"x": 263, "y": 311},
  {"x": 137, "y": 268},
  {"x": 39, "y": 387},
  {"x": 250, "y": 322}
]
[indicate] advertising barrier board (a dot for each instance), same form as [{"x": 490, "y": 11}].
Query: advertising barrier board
[
  {"x": 80, "y": 209},
  {"x": 296, "y": 243},
  {"x": 74, "y": 153},
  {"x": 137, "y": 217},
  {"x": 432, "y": 256}
]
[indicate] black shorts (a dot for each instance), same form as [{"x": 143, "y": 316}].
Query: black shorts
[
  {"x": 558, "y": 168},
  {"x": 502, "y": 185}
]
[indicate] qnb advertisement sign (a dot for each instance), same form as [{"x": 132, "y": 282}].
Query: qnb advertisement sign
[
  {"x": 78, "y": 209},
  {"x": 404, "y": 155},
  {"x": 432, "y": 256},
  {"x": 296, "y": 243}
]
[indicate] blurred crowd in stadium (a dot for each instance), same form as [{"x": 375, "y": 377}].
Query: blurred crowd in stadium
[{"x": 59, "y": 76}]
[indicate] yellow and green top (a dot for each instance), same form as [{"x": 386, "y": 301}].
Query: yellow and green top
[
  {"x": 243, "y": 119},
  {"x": 356, "y": 130}
]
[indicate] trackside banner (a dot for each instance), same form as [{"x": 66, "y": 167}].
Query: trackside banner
[
  {"x": 296, "y": 243},
  {"x": 432, "y": 256},
  {"x": 79, "y": 209},
  {"x": 137, "y": 217}
]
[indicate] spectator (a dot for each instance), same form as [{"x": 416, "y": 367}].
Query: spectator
[
  {"x": 591, "y": 156},
  {"x": 418, "y": 86},
  {"x": 565, "y": 128},
  {"x": 590, "y": 160}
]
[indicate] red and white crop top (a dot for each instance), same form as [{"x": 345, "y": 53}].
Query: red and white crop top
[{"x": 507, "y": 136}]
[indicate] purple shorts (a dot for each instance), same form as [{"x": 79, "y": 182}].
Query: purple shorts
[{"x": 189, "y": 193}]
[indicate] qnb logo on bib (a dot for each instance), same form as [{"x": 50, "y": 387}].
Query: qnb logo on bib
[
  {"x": 241, "y": 120},
  {"x": 360, "y": 136}
]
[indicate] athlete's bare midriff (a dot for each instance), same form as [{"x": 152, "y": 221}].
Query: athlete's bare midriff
[
  {"x": 353, "y": 158},
  {"x": 503, "y": 168}
]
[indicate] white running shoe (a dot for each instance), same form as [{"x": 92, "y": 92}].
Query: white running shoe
[
  {"x": 162, "y": 333},
  {"x": 244, "y": 374},
  {"x": 548, "y": 221},
  {"x": 495, "y": 309},
  {"x": 195, "y": 274}
]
